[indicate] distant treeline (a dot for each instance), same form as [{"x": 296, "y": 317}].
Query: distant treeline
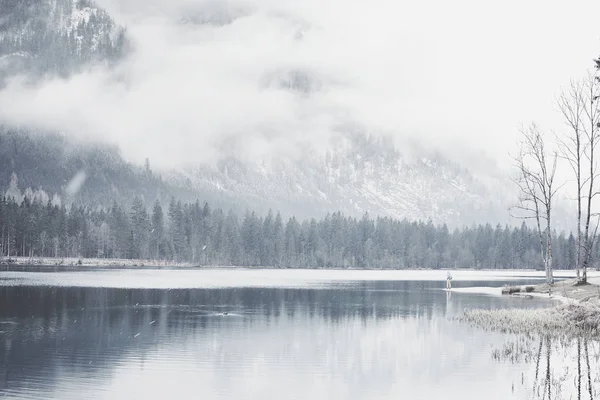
[{"x": 196, "y": 233}]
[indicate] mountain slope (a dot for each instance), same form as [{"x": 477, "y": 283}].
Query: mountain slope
[
  {"x": 86, "y": 173},
  {"x": 354, "y": 174},
  {"x": 55, "y": 36},
  {"x": 357, "y": 175}
]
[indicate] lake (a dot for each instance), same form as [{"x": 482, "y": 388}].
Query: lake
[{"x": 260, "y": 334}]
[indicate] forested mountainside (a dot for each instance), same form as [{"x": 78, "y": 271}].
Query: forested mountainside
[
  {"x": 205, "y": 236},
  {"x": 56, "y": 36},
  {"x": 363, "y": 175},
  {"x": 86, "y": 173},
  {"x": 80, "y": 199},
  {"x": 357, "y": 174}
]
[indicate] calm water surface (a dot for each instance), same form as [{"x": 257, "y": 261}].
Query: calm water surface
[{"x": 108, "y": 334}]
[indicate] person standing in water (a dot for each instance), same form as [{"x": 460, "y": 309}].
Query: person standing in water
[{"x": 448, "y": 281}]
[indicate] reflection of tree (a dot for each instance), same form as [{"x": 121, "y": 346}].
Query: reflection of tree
[
  {"x": 589, "y": 370},
  {"x": 547, "y": 383},
  {"x": 551, "y": 381},
  {"x": 537, "y": 364},
  {"x": 579, "y": 368}
]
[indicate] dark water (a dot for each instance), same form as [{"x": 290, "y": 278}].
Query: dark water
[{"x": 95, "y": 337}]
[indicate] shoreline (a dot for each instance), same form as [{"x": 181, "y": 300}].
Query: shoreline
[
  {"x": 578, "y": 315},
  {"x": 141, "y": 263},
  {"x": 566, "y": 290},
  {"x": 88, "y": 262}
]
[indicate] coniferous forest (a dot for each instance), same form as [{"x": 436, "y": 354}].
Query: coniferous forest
[
  {"x": 46, "y": 37},
  {"x": 199, "y": 234}
]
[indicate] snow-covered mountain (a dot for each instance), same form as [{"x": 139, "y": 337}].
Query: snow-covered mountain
[
  {"x": 55, "y": 36},
  {"x": 354, "y": 173},
  {"x": 357, "y": 174}
]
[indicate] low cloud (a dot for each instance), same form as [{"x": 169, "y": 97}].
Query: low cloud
[{"x": 261, "y": 77}]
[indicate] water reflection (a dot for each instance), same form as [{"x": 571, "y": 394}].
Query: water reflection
[
  {"x": 361, "y": 340},
  {"x": 561, "y": 368}
]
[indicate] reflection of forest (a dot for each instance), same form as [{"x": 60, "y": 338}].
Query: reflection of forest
[
  {"x": 49, "y": 332},
  {"x": 96, "y": 327},
  {"x": 563, "y": 368}
]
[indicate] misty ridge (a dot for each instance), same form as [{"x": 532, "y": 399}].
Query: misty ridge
[{"x": 110, "y": 105}]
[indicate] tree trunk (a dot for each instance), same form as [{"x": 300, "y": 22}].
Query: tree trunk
[
  {"x": 587, "y": 249},
  {"x": 578, "y": 177},
  {"x": 578, "y": 260}
]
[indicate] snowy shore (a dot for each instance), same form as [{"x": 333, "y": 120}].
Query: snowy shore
[
  {"x": 578, "y": 315},
  {"x": 466, "y": 274},
  {"x": 89, "y": 262}
]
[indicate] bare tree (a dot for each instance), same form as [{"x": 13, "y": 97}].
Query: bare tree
[
  {"x": 591, "y": 129},
  {"x": 580, "y": 107},
  {"x": 572, "y": 148},
  {"x": 535, "y": 180}
]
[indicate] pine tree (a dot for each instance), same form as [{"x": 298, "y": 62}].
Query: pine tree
[
  {"x": 140, "y": 227},
  {"x": 157, "y": 232},
  {"x": 267, "y": 241},
  {"x": 177, "y": 230},
  {"x": 121, "y": 234},
  {"x": 278, "y": 240}
]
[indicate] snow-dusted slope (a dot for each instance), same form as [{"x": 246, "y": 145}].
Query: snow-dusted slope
[
  {"x": 357, "y": 175},
  {"x": 55, "y": 36}
]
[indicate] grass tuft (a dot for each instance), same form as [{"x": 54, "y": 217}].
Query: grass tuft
[{"x": 581, "y": 319}]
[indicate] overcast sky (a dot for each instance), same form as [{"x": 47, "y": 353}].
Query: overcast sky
[{"x": 455, "y": 75}]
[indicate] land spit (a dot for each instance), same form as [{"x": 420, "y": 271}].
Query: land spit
[{"x": 577, "y": 316}]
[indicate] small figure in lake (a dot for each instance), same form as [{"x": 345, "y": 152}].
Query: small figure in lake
[{"x": 448, "y": 281}]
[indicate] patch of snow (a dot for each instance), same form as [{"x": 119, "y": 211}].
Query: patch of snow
[{"x": 491, "y": 291}]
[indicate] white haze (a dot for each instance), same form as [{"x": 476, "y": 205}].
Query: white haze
[
  {"x": 458, "y": 76},
  {"x": 75, "y": 184}
]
